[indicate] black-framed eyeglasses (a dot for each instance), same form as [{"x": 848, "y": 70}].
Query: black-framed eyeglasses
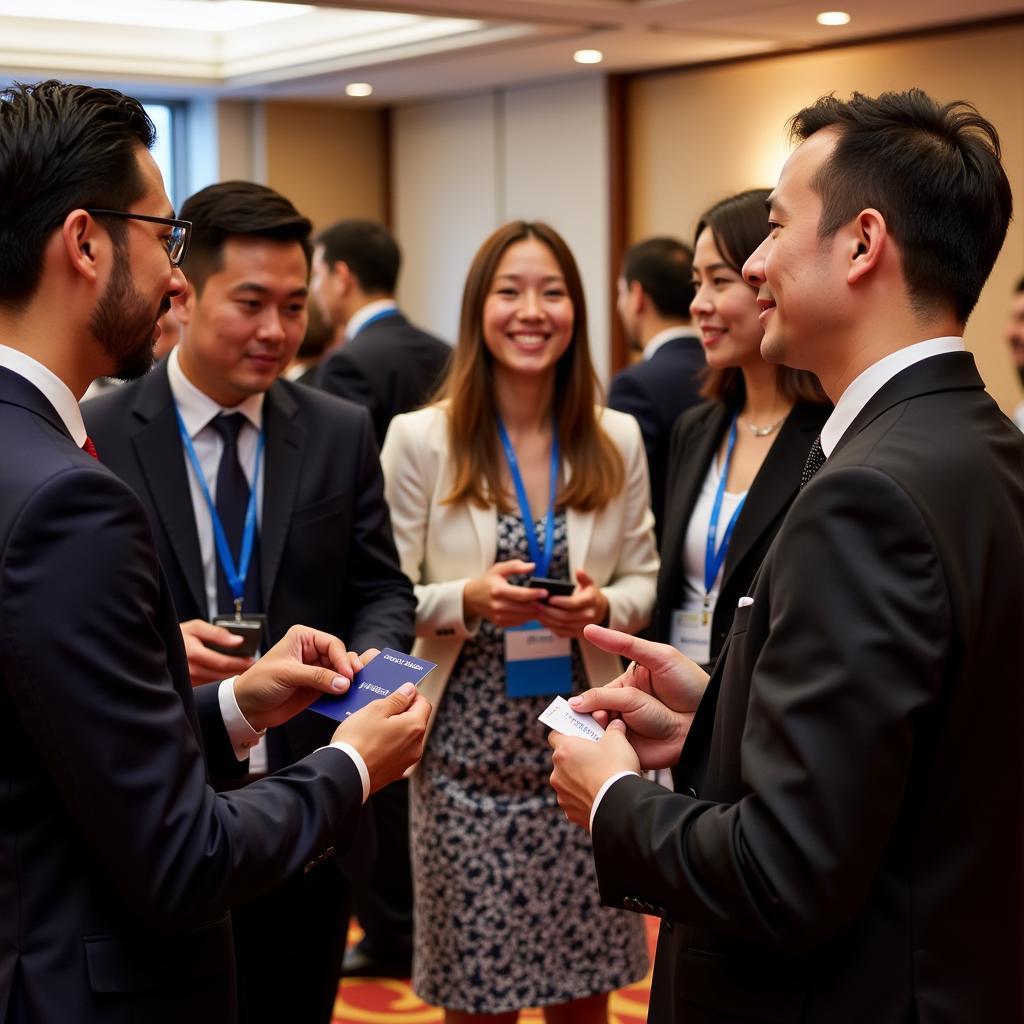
[{"x": 176, "y": 242}]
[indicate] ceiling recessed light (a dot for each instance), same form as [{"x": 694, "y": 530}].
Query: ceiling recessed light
[
  {"x": 358, "y": 89},
  {"x": 833, "y": 18},
  {"x": 588, "y": 56}
]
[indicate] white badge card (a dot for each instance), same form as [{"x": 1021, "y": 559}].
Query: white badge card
[
  {"x": 537, "y": 663},
  {"x": 691, "y": 627},
  {"x": 560, "y": 717}
]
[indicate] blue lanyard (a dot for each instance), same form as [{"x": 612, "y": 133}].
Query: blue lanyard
[
  {"x": 376, "y": 316},
  {"x": 713, "y": 560},
  {"x": 541, "y": 563},
  {"x": 235, "y": 577}
]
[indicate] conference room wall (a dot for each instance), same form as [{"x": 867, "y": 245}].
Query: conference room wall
[{"x": 697, "y": 135}]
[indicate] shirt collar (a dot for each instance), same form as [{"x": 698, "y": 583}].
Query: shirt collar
[
  {"x": 53, "y": 389},
  {"x": 197, "y": 408},
  {"x": 669, "y": 334},
  {"x": 370, "y": 310},
  {"x": 864, "y": 387}
]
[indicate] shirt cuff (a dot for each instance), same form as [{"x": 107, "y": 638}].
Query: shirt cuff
[
  {"x": 357, "y": 760},
  {"x": 608, "y": 783},
  {"x": 242, "y": 735}
]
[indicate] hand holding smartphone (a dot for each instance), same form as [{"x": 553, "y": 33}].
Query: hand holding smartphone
[{"x": 555, "y": 588}]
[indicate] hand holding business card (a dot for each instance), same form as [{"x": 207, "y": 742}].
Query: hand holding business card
[
  {"x": 380, "y": 677},
  {"x": 560, "y": 717}
]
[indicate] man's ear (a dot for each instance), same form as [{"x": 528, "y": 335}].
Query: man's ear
[
  {"x": 637, "y": 298},
  {"x": 184, "y": 303},
  {"x": 866, "y": 240},
  {"x": 342, "y": 276},
  {"x": 88, "y": 247}
]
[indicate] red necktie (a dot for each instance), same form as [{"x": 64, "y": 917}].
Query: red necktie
[{"x": 90, "y": 448}]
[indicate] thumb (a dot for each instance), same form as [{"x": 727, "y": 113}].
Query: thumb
[
  {"x": 514, "y": 567},
  {"x": 583, "y": 579},
  {"x": 399, "y": 701},
  {"x": 616, "y": 725}
]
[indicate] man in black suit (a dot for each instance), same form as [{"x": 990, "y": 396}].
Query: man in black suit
[
  {"x": 307, "y": 466},
  {"x": 655, "y": 290},
  {"x": 386, "y": 363},
  {"x": 845, "y": 843},
  {"x": 118, "y": 862}
]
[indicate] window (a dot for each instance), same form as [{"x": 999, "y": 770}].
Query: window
[{"x": 169, "y": 149}]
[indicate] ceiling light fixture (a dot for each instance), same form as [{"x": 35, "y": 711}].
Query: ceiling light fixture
[
  {"x": 588, "y": 56},
  {"x": 358, "y": 89},
  {"x": 833, "y": 18}
]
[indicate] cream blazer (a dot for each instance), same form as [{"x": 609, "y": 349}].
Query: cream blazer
[{"x": 442, "y": 547}]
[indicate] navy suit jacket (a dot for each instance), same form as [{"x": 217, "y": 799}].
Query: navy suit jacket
[
  {"x": 390, "y": 367},
  {"x": 118, "y": 862},
  {"x": 848, "y": 843},
  {"x": 657, "y": 391}
]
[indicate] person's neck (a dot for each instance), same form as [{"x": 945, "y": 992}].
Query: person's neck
[
  {"x": 194, "y": 375},
  {"x": 763, "y": 403},
  {"x": 655, "y": 325},
  {"x": 524, "y": 402}
]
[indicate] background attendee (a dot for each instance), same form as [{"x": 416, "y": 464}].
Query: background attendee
[
  {"x": 515, "y": 472},
  {"x": 845, "y": 837},
  {"x": 117, "y": 860},
  {"x": 386, "y": 364},
  {"x": 319, "y": 333},
  {"x": 1015, "y": 336},
  {"x": 322, "y": 553},
  {"x": 736, "y": 460},
  {"x": 655, "y": 290}
]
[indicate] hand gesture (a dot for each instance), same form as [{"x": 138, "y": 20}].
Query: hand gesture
[
  {"x": 205, "y": 665},
  {"x": 492, "y": 597},
  {"x": 566, "y": 616}
]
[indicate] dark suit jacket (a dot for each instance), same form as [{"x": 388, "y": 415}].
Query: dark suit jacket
[
  {"x": 696, "y": 439},
  {"x": 657, "y": 391},
  {"x": 327, "y": 557},
  {"x": 118, "y": 862},
  {"x": 390, "y": 367},
  {"x": 851, "y": 847}
]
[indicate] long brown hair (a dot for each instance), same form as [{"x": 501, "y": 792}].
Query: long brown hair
[
  {"x": 738, "y": 224},
  {"x": 598, "y": 472}
]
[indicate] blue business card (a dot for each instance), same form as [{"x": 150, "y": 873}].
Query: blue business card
[{"x": 382, "y": 676}]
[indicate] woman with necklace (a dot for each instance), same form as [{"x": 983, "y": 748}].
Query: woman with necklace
[
  {"x": 515, "y": 473},
  {"x": 735, "y": 460}
]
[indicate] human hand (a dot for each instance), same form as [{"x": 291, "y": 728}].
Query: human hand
[
  {"x": 581, "y": 767},
  {"x": 566, "y": 616},
  {"x": 303, "y": 664},
  {"x": 389, "y": 734},
  {"x": 492, "y": 597},
  {"x": 205, "y": 665}
]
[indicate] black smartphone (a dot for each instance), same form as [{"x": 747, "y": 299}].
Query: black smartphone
[
  {"x": 249, "y": 628},
  {"x": 555, "y": 588}
]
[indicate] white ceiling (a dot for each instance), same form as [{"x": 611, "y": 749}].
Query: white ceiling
[{"x": 414, "y": 49}]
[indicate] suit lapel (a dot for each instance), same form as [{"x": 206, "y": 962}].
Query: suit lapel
[
  {"x": 282, "y": 465},
  {"x": 157, "y": 443}
]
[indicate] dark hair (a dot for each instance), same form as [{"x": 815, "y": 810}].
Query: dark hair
[
  {"x": 932, "y": 171},
  {"x": 739, "y": 224},
  {"x": 62, "y": 147},
  {"x": 598, "y": 471},
  {"x": 232, "y": 208},
  {"x": 368, "y": 250},
  {"x": 664, "y": 268}
]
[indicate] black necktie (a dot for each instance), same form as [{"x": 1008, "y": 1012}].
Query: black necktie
[
  {"x": 232, "y": 504},
  {"x": 815, "y": 460}
]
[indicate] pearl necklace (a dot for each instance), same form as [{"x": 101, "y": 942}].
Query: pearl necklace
[{"x": 765, "y": 431}]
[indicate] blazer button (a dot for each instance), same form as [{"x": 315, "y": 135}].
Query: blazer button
[
  {"x": 690, "y": 791},
  {"x": 309, "y": 867},
  {"x": 329, "y": 852}
]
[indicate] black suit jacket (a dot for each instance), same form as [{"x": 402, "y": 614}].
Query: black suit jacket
[
  {"x": 657, "y": 391},
  {"x": 851, "y": 845},
  {"x": 118, "y": 862},
  {"x": 390, "y": 367},
  {"x": 696, "y": 439},
  {"x": 327, "y": 556}
]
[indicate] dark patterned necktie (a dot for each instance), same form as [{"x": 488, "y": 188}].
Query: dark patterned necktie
[
  {"x": 815, "y": 460},
  {"x": 90, "y": 448}
]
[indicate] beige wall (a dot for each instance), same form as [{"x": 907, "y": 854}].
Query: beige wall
[
  {"x": 697, "y": 136},
  {"x": 329, "y": 160}
]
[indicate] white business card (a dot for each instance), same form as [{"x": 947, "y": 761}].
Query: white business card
[{"x": 560, "y": 717}]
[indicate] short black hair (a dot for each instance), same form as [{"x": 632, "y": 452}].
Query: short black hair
[
  {"x": 664, "y": 268},
  {"x": 934, "y": 173},
  {"x": 233, "y": 208},
  {"x": 62, "y": 147},
  {"x": 368, "y": 250}
]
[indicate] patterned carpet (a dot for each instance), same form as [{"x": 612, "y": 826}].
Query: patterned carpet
[{"x": 387, "y": 1001}]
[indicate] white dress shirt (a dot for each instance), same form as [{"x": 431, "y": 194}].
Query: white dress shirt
[
  {"x": 54, "y": 390},
  {"x": 368, "y": 312}
]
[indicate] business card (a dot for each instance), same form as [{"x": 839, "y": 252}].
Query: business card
[
  {"x": 382, "y": 676},
  {"x": 560, "y": 717}
]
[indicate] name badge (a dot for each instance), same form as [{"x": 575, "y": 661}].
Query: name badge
[
  {"x": 537, "y": 663},
  {"x": 691, "y": 627}
]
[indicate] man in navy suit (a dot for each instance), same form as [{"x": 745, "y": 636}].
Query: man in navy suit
[
  {"x": 846, "y": 843},
  {"x": 323, "y": 550},
  {"x": 118, "y": 861},
  {"x": 655, "y": 290}
]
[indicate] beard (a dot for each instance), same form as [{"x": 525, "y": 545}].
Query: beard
[{"x": 123, "y": 323}]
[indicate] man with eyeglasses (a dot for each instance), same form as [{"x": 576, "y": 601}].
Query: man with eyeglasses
[{"x": 118, "y": 861}]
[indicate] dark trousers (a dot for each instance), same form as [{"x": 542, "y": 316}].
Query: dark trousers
[{"x": 289, "y": 945}]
